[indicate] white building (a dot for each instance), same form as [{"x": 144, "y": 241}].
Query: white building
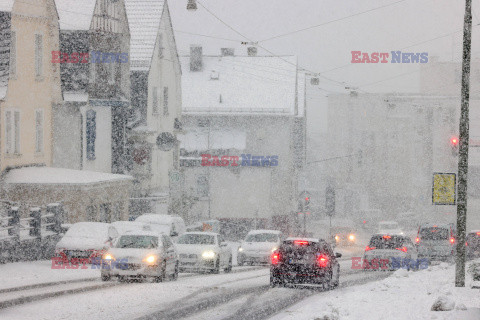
[
  {"x": 234, "y": 105},
  {"x": 157, "y": 97}
]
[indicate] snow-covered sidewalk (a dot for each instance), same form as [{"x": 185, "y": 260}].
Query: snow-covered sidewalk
[
  {"x": 404, "y": 295},
  {"x": 19, "y": 274}
]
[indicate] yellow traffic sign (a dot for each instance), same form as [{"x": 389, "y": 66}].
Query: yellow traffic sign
[{"x": 444, "y": 188}]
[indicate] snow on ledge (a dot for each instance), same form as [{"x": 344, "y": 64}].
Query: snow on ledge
[{"x": 47, "y": 175}]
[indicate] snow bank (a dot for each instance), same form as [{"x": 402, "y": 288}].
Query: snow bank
[{"x": 405, "y": 295}]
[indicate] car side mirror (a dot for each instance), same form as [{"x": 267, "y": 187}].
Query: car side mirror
[
  {"x": 338, "y": 255},
  {"x": 223, "y": 244}
]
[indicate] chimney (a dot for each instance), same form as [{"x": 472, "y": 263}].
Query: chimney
[
  {"x": 252, "y": 51},
  {"x": 196, "y": 63},
  {"x": 227, "y": 52}
]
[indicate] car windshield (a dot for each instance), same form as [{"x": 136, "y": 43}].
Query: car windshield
[
  {"x": 196, "y": 239},
  {"x": 434, "y": 233},
  {"x": 262, "y": 237},
  {"x": 386, "y": 242},
  {"x": 139, "y": 242}
]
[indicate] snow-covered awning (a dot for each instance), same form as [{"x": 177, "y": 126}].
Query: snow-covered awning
[
  {"x": 48, "y": 175},
  {"x": 75, "y": 96},
  {"x": 6, "y": 5},
  {"x": 199, "y": 140},
  {"x": 75, "y": 15}
]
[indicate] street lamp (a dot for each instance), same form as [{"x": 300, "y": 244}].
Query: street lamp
[{"x": 191, "y": 5}]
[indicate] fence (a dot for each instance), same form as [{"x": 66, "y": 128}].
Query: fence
[{"x": 32, "y": 237}]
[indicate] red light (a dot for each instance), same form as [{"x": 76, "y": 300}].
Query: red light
[
  {"x": 275, "y": 258},
  {"x": 369, "y": 248},
  {"x": 387, "y": 237},
  {"x": 307, "y": 212},
  {"x": 364, "y": 221},
  {"x": 417, "y": 239},
  {"x": 300, "y": 242},
  {"x": 478, "y": 233},
  {"x": 454, "y": 141},
  {"x": 404, "y": 249},
  {"x": 322, "y": 261},
  {"x": 307, "y": 198},
  {"x": 452, "y": 240},
  {"x": 466, "y": 244}
]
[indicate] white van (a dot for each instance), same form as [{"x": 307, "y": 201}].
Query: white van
[{"x": 170, "y": 225}]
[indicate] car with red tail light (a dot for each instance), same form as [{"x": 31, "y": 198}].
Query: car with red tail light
[
  {"x": 436, "y": 241},
  {"x": 387, "y": 252},
  {"x": 305, "y": 261}
]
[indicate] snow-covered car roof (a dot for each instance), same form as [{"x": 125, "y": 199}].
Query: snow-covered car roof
[
  {"x": 88, "y": 229},
  {"x": 125, "y": 226},
  {"x": 155, "y": 218},
  {"x": 140, "y": 233},
  {"x": 264, "y": 231},
  {"x": 201, "y": 232}
]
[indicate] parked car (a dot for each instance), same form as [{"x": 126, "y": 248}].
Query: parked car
[
  {"x": 86, "y": 240},
  {"x": 305, "y": 261},
  {"x": 141, "y": 254},
  {"x": 343, "y": 236},
  {"x": 390, "y": 251},
  {"x": 473, "y": 244},
  {"x": 258, "y": 245},
  {"x": 436, "y": 242},
  {"x": 171, "y": 225},
  {"x": 204, "y": 251},
  {"x": 389, "y": 227}
]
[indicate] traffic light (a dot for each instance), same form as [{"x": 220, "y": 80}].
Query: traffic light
[
  {"x": 454, "y": 145},
  {"x": 307, "y": 204}
]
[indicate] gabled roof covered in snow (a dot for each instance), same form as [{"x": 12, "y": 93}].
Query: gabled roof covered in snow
[
  {"x": 5, "y": 23},
  {"x": 6, "y": 5},
  {"x": 240, "y": 84},
  {"x": 75, "y": 14},
  {"x": 144, "y": 21}
]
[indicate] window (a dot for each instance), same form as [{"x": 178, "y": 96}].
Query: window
[
  {"x": 93, "y": 70},
  {"x": 165, "y": 101},
  {"x": 38, "y": 55},
  {"x": 155, "y": 100},
  {"x": 39, "y": 130},
  {"x": 91, "y": 213},
  {"x": 160, "y": 46},
  {"x": 91, "y": 134},
  {"x": 13, "y": 54},
  {"x": 12, "y": 131},
  {"x": 202, "y": 186}
]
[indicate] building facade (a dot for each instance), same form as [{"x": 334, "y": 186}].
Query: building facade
[{"x": 243, "y": 146}]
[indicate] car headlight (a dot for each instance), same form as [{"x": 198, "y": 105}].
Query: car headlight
[
  {"x": 274, "y": 249},
  {"x": 107, "y": 256},
  {"x": 351, "y": 237},
  {"x": 150, "y": 259},
  {"x": 208, "y": 255},
  {"x": 337, "y": 238},
  {"x": 240, "y": 249}
]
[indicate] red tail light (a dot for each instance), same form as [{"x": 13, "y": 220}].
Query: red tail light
[
  {"x": 322, "y": 261},
  {"x": 478, "y": 233},
  {"x": 404, "y": 249},
  {"x": 452, "y": 240},
  {"x": 275, "y": 258},
  {"x": 300, "y": 242},
  {"x": 417, "y": 239},
  {"x": 387, "y": 237},
  {"x": 369, "y": 248}
]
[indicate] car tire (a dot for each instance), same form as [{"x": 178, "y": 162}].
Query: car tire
[
  {"x": 229, "y": 267},
  {"x": 327, "y": 284},
  {"x": 175, "y": 273},
  {"x": 336, "y": 283},
  {"x": 216, "y": 269},
  {"x": 163, "y": 272},
  {"x": 106, "y": 277},
  {"x": 275, "y": 282}
]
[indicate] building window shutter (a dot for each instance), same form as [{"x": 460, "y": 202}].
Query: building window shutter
[
  {"x": 91, "y": 134},
  {"x": 112, "y": 67},
  {"x": 38, "y": 131},
  {"x": 38, "y": 55},
  {"x": 13, "y": 53},
  {"x": 16, "y": 125},
  {"x": 8, "y": 132},
  {"x": 155, "y": 100},
  {"x": 160, "y": 46},
  {"x": 165, "y": 100}
]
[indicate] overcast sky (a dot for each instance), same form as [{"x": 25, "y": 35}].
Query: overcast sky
[{"x": 397, "y": 24}]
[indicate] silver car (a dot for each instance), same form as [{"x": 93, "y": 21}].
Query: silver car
[
  {"x": 390, "y": 252},
  {"x": 436, "y": 242}
]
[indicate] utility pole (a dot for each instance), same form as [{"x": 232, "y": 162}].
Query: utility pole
[{"x": 463, "y": 151}]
